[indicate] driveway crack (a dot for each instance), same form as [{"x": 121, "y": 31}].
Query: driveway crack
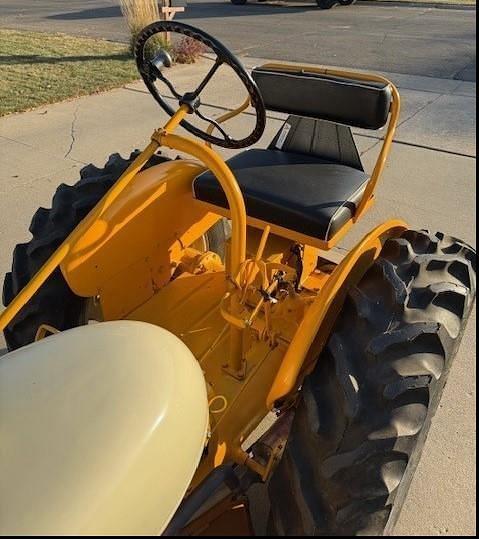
[
  {"x": 381, "y": 139},
  {"x": 72, "y": 132},
  {"x": 420, "y": 110}
]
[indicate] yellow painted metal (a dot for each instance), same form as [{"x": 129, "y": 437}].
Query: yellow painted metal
[
  {"x": 196, "y": 262},
  {"x": 228, "y": 115},
  {"x": 228, "y": 183},
  {"x": 237, "y": 251},
  {"x": 262, "y": 244},
  {"x": 60, "y": 254},
  {"x": 292, "y": 235},
  {"x": 93, "y": 222},
  {"x": 44, "y": 331},
  {"x": 176, "y": 119},
  {"x": 309, "y": 262},
  {"x": 383, "y": 154},
  {"x": 189, "y": 307},
  {"x": 139, "y": 240},
  {"x": 355, "y": 264}
]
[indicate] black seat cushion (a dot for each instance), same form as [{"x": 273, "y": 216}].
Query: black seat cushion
[
  {"x": 299, "y": 192},
  {"x": 342, "y": 100}
]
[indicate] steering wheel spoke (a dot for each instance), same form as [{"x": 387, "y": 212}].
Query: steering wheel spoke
[
  {"x": 223, "y": 56},
  {"x": 218, "y": 63},
  {"x": 214, "y": 123},
  {"x": 168, "y": 83}
]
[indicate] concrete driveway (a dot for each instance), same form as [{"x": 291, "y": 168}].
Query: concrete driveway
[{"x": 429, "y": 181}]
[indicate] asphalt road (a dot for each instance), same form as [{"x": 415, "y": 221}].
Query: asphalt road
[{"x": 370, "y": 35}]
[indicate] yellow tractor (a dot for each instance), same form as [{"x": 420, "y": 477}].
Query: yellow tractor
[{"x": 182, "y": 332}]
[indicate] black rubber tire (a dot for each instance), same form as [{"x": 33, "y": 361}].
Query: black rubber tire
[
  {"x": 365, "y": 410},
  {"x": 217, "y": 236},
  {"x": 326, "y": 4},
  {"x": 239, "y": 2},
  {"x": 347, "y": 2},
  {"x": 55, "y": 304}
]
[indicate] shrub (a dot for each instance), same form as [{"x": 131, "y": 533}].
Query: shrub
[
  {"x": 138, "y": 14},
  {"x": 187, "y": 50}
]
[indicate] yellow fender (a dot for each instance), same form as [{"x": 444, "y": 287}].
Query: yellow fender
[
  {"x": 318, "y": 320},
  {"x": 139, "y": 239}
]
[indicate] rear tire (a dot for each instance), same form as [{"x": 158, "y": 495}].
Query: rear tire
[
  {"x": 55, "y": 304},
  {"x": 366, "y": 409}
]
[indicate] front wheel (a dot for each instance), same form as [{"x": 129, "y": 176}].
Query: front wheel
[
  {"x": 347, "y": 2},
  {"x": 366, "y": 409},
  {"x": 239, "y": 2}
]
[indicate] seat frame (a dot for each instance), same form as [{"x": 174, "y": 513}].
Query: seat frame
[
  {"x": 368, "y": 195},
  {"x": 292, "y": 235}
]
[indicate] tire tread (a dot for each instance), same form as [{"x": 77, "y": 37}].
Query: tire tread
[{"x": 379, "y": 378}]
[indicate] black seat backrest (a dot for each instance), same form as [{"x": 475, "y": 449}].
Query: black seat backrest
[{"x": 341, "y": 100}]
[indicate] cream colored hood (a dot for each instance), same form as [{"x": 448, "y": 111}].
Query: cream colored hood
[{"x": 101, "y": 430}]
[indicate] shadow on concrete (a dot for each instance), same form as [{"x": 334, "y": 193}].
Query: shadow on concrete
[
  {"x": 201, "y": 10},
  {"x": 3, "y": 351},
  {"x": 34, "y": 59},
  {"x": 84, "y": 14}
]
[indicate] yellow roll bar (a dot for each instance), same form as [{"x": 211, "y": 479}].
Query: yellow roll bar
[{"x": 160, "y": 137}]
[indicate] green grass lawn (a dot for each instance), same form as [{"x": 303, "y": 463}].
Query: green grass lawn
[{"x": 39, "y": 68}]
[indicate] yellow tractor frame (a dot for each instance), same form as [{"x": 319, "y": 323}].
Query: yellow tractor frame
[{"x": 137, "y": 252}]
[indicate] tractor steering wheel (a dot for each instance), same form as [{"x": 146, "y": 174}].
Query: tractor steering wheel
[{"x": 151, "y": 70}]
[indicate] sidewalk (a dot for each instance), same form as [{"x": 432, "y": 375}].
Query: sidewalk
[
  {"x": 429, "y": 179},
  {"x": 430, "y": 182}
]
